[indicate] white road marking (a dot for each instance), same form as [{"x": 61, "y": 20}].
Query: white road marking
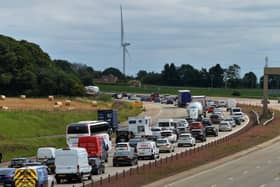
[
  {"x": 231, "y": 178},
  {"x": 276, "y": 178},
  {"x": 214, "y": 185},
  {"x": 258, "y": 167},
  {"x": 263, "y": 185}
]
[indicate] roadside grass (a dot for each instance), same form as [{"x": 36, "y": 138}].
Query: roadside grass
[
  {"x": 217, "y": 92},
  {"x": 251, "y": 138},
  {"x": 22, "y": 132}
]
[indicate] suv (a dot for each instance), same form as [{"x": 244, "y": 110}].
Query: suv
[
  {"x": 199, "y": 134},
  {"x": 186, "y": 139},
  {"x": 165, "y": 145},
  {"x": 124, "y": 158},
  {"x": 97, "y": 165},
  {"x": 196, "y": 125},
  {"x": 211, "y": 130}
]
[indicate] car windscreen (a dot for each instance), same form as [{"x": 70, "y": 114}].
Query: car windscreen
[
  {"x": 185, "y": 136},
  {"x": 163, "y": 124},
  {"x": 121, "y": 153},
  {"x": 121, "y": 145},
  {"x": 236, "y": 110},
  {"x": 161, "y": 141},
  {"x": 19, "y": 161},
  {"x": 155, "y": 130},
  {"x": 6, "y": 171},
  {"x": 165, "y": 133}
]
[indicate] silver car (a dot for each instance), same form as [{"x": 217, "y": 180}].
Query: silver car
[
  {"x": 225, "y": 126},
  {"x": 165, "y": 145},
  {"x": 186, "y": 139},
  {"x": 231, "y": 120}
]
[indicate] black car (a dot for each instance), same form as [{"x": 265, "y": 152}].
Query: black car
[
  {"x": 237, "y": 120},
  {"x": 125, "y": 158},
  {"x": 199, "y": 134},
  {"x": 18, "y": 162},
  {"x": 206, "y": 122},
  {"x": 124, "y": 135},
  {"x": 97, "y": 165},
  {"x": 211, "y": 130},
  {"x": 133, "y": 142}
]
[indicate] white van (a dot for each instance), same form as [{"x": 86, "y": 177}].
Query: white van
[
  {"x": 147, "y": 149},
  {"x": 72, "y": 163},
  {"x": 166, "y": 124},
  {"x": 235, "y": 110},
  {"x": 44, "y": 153}
]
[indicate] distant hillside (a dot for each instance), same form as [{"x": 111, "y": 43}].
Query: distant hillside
[{"x": 26, "y": 69}]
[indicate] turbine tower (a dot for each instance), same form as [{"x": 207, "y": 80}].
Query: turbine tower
[{"x": 123, "y": 43}]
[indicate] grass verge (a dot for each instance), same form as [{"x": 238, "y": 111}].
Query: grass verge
[{"x": 22, "y": 132}]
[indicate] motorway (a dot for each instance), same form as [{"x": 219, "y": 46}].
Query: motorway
[
  {"x": 258, "y": 168},
  {"x": 155, "y": 110}
]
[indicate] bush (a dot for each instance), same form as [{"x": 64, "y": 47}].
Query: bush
[{"x": 236, "y": 93}]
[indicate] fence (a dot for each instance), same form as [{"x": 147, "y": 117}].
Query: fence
[{"x": 131, "y": 176}]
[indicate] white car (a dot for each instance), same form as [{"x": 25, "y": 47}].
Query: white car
[
  {"x": 225, "y": 126},
  {"x": 165, "y": 145},
  {"x": 123, "y": 146},
  {"x": 169, "y": 134},
  {"x": 156, "y": 131},
  {"x": 186, "y": 139}
]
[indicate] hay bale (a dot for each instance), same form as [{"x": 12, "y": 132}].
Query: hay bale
[
  {"x": 67, "y": 102},
  {"x": 56, "y": 107},
  {"x": 70, "y": 108},
  {"x": 58, "y": 103},
  {"x": 4, "y": 108},
  {"x": 3, "y": 97},
  {"x": 50, "y": 97},
  {"x": 23, "y": 96},
  {"x": 94, "y": 103}
]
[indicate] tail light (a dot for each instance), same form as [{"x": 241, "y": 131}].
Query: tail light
[
  {"x": 78, "y": 168},
  {"x": 167, "y": 145}
]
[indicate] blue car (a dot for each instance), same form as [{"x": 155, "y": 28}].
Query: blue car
[{"x": 6, "y": 177}]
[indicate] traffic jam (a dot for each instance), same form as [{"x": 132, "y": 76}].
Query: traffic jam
[{"x": 102, "y": 147}]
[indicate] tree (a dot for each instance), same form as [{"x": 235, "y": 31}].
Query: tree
[
  {"x": 170, "y": 75},
  {"x": 114, "y": 71},
  {"x": 218, "y": 74},
  {"x": 249, "y": 80},
  {"x": 232, "y": 76}
]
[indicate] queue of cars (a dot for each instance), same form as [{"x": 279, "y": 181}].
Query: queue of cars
[{"x": 79, "y": 163}]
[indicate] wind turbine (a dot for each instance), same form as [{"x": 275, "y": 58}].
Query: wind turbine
[{"x": 123, "y": 43}]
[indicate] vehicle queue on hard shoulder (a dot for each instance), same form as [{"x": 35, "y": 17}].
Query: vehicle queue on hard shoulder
[{"x": 89, "y": 144}]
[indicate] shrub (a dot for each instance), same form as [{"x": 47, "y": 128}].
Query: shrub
[{"x": 236, "y": 93}]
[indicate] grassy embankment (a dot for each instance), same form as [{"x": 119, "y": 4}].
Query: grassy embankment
[
  {"x": 22, "y": 132},
  {"x": 218, "y": 92}
]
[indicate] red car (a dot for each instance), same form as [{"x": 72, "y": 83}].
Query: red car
[
  {"x": 210, "y": 109},
  {"x": 196, "y": 125}
]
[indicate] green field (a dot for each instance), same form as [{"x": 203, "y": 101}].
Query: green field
[
  {"x": 22, "y": 132},
  {"x": 218, "y": 92}
]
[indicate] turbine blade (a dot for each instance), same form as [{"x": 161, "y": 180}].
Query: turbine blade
[
  {"x": 122, "y": 30},
  {"x": 128, "y": 54}
]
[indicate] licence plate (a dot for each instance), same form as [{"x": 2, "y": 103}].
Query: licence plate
[{"x": 120, "y": 158}]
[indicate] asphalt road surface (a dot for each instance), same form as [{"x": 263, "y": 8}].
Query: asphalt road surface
[
  {"x": 256, "y": 169},
  {"x": 155, "y": 110}
]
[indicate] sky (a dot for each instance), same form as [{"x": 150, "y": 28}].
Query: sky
[{"x": 196, "y": 32}]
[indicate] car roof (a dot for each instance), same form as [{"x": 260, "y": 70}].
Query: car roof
[
  {"x": 184, "y": 134},
  {"x": 162, "y": 139}
]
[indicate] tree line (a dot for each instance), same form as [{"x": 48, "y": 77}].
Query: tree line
[{"x": 26, "y": 69}]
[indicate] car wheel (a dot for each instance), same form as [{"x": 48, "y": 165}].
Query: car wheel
[
  {"x": 58, "y": 180},
  {"x": 80, "y": 178},
  {"x": 89, "y": 177},
  {"x": 114, "y": 164}
]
